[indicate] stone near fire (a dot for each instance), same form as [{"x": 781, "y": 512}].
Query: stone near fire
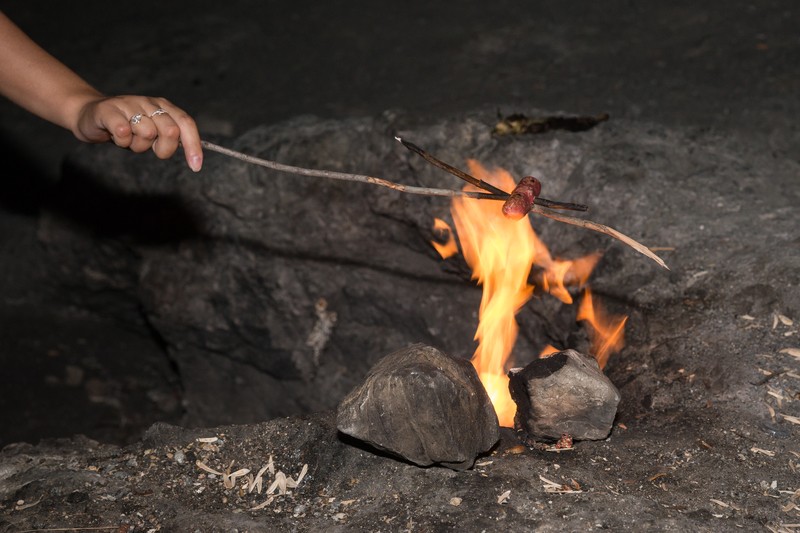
[
  {"x": 564, "y": 393},
  {"x": 422, "y": 405}
]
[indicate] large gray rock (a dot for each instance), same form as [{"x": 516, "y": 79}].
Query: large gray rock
[
  {"x": 424, "y": 406},
  {"x": 564, "y": 393}
]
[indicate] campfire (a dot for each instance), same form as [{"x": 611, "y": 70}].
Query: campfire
[
  {"x": 502, "y": 252},
  {"x": 424, "y": 406},
  {"x": 427, "y": 406}
]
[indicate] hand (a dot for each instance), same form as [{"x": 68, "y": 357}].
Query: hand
[{"x": 161, "y": 126}]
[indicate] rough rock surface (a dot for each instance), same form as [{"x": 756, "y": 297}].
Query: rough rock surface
[
  {"x": 707, "y": 92},
  {"x": 564, "y": 393},
  {"x": 228, "y": 269},
  {"x": 424, "y": 406}
]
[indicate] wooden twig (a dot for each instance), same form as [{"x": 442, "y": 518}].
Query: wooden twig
[
  {"x": 601, "y": 228},
  {"x": 457, "y": 172},
  {"x": 538, "y": 209},
  {"x": 411, "y": 189},
  {"x": 451, "y": 169},
  {"x": 539, "y": 203}
]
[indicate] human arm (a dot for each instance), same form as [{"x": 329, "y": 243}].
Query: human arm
[{"x": 38, "y": 82}]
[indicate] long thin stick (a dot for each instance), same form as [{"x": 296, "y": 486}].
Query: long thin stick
[
  {"x": 411, "y": 189},
  {"x": 601, "y": 228},
  {"x": 588, "y": 224},
  {"x": 457, "y": 172},
  {"x": 450, "y": 168}
]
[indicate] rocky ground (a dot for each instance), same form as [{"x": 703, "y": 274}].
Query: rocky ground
[{"x": 111, "y": 323}]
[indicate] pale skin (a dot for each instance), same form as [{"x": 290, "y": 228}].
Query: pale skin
[{"x": 38, "y": 82}]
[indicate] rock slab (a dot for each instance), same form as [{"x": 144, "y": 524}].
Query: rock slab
[
  {"x": 564, "y": 393},
  {"x": 424, "y": 406}
]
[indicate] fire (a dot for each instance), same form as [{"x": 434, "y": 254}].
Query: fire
[
  {"x": 548, "y": 350},
  {"x": 607, "y": 331},
  {"x": 449, "y": 248},
  {"x": 501, "y": 253}
]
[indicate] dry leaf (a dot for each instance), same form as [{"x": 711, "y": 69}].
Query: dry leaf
[
  {"x": 794, "y": 352},
  {"x": 762, "y": 451},
  {"x": 263, "y": 504},
  {"x": 303, "y": 473},
  {"x": 229, "y": 480},
  {"x": 504, "y": 497},
  {"x": 258, "y": 481},
  {"x": 789, "y": 418},
  {"x": 202, "y": 466},
  {"x": 279, "y": 483}
]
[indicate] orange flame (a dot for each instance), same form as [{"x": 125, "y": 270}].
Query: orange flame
[
  {"x": 560, "y": 272},
  {"x": 501, "y": 253},
  {"x": 547, "y": 351},
  {"x": 607, "y": 331},
  {"x": 449, "y": 248}
]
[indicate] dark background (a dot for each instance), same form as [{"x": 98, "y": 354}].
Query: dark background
[{"x": 732, "y": 67}]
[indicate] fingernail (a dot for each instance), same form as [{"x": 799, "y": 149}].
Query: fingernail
[{"x": 196, "y": 163}]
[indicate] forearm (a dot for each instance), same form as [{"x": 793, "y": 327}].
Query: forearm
[{"x": 37, "y": 81}]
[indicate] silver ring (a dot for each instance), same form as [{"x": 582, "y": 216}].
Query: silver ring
[
  {"x": 159, "y": 111},
  {"x": 135, "y": 119}
]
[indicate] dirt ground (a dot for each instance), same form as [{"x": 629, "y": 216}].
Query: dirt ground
[{"x": 703, "y": 107}]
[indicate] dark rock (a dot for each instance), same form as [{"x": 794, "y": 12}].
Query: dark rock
[
  {"x": 564, "y": 393},
  {"x": 424, "y": 406}
]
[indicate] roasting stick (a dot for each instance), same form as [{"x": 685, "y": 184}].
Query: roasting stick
[
  {"x": 480, "y": 183},
  {"x": 411, "y": 189},
  {"x": 538, "y": 203},
  {"x": 601, "y": 228}
]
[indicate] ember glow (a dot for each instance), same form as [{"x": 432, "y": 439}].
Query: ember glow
[{"x": 501, "y": 253}]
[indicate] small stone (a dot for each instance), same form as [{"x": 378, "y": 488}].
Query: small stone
[
  {"x": 455, "y": 502},
  {"x": 422, "y": 405},
  {"x": 565, "y": 393}
]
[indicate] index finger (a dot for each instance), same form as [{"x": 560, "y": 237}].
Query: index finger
[{"x": 190, "y": 137}]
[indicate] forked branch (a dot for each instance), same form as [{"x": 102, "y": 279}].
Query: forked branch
[{"x": 426, "y": 191}]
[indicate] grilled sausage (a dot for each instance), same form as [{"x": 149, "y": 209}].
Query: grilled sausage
[{"x": 521, "y": 200}]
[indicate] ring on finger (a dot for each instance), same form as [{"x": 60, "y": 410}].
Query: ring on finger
[
  {"x": 159, "y": 111},
  {"x": 135, "y": 119}
]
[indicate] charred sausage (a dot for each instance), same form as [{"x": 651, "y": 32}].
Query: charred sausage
[{"x": 521, "y": 200}]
